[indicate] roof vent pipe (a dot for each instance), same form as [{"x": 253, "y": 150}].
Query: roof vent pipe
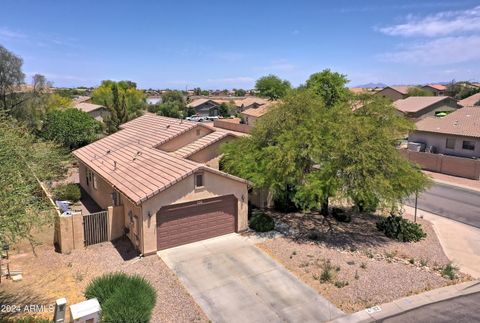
[{"x": 114, "y": 165}]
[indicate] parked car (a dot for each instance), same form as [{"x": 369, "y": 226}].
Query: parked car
[
  {"x": 196, "y": 118},
  {"x": 212, "y": 118}
]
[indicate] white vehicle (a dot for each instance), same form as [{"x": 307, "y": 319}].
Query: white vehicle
[
  {"x": 196, "y": 118},
  {"x": 212, "y": 118}
]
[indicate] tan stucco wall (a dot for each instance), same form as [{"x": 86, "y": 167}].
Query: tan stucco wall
[
  {"x": 446, "y": 105},
  {"x": 185, "y": 139},
  {"x": 184, "y": 191},
  {"x": 439, "y": 142},
  {"x": 391, "y": 94},
  {"x": 102, "y": 194},
  {"x": 210, "y": 152},
  {"x": 249, "y": 120},
  {"x": 70, "y": 232}
]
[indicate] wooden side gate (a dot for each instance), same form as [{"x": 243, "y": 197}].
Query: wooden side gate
[{"x": 95, "y": 227}]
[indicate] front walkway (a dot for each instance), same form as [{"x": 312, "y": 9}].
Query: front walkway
[
  {"x": 460, "y": 242},
  {"x": 234, "y": 281}
]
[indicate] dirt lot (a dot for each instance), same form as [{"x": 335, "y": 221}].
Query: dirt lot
[
  {"x": 51, "y": 275},
  {"x": 365, "y": 267}
]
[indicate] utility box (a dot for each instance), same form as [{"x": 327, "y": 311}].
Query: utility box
[
  {"x": 60, "y": 310},
  {"x": 416, "y": 146},
  {"x": 86, "y": 312}
]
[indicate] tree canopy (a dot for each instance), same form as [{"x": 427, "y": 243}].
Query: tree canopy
[
  {"x": 71, "y": 128},
  {"x": 272, "y": 87},
  {"x": 330, "y": 86},
  {"x": 11, "y": 78},
  {"x": 307, "y": 152},
  {"x": 418, "y": 91},
  {"x": 22, "y": 157}
]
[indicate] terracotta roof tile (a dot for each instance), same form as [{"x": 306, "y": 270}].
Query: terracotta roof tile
[
  {"x": 202, "y": 143},
  {"x": 88, "y": 107},
  {"x": 417, "y": 103},
  {"x": 462, "y": 122},
  {"x": 470, "y": 101}
]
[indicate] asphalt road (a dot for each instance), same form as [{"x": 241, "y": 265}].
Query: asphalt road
[
  {"x": 452, "y": 202},
  {"x": 463, "y": 309}
]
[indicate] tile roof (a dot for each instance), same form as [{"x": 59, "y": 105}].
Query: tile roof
[
  {"x": 439, "y": 87},
  {"x": 260, "y": 111},
  {"x": 402, "y": 89},
  {"x": 81, "y": 98},
  {"x": 245, "y": 102},
  {"x": 199, "y": 144},
  {"x": 470, "y": 101},
  {"x": 197, "y": 102},
  {"x": 87, "y": 107},
  {"x": 417, "y": 103},
  {"x": 129, "y": 161},
  {"x": 462, "y": 122}
]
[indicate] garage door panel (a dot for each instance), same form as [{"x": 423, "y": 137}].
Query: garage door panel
[{"x": 194, "y": 221}]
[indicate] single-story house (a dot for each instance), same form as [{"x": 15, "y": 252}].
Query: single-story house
[
  {"x": 457, "y": 134},
  {"x": 251, "y": 115},
  {"x": 394, "y": 93},
  {"x": 436, "y": 89},
  {"x": 98, "y": 112},
  {"x": 82, "y": 99},
  {"x": 204, "y": 107},
  {"x": 473, "y": 100},
  {"x": 209, "y": 106},
  {"x": 418, "y": 107},
  {"x": 161, "y": 177}
]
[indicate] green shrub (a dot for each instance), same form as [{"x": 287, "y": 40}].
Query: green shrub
[
  {"x": 326, "y": 274},
  {"x": 261, "y": 222},
  {"x": 396, "y": 227},
  {"x": 449, "y": 271},
  {"x": 341, "y": 284},
  {"x": 123, "y": 298},
  {"x": 70, "y": 192},
  {"x": 366, "y": 205},
  {"x": 340, "y": 215}
]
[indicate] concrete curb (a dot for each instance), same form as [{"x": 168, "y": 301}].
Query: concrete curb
[
  {"x": 411, "y": 302},
  {"x": 467, "y": 187}
]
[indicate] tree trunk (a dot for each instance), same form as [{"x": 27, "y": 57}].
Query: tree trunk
[{"x": 324, "y": 210}]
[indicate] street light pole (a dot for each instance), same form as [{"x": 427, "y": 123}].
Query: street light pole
[{"x": 416, "y": 199}]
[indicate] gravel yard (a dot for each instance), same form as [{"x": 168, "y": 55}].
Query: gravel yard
[
  {"x": 364, "y": 267},
  {"x": 51, "y": 275}
]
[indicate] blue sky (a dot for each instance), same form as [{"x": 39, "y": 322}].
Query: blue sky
[{"x": 228, "y": 44}]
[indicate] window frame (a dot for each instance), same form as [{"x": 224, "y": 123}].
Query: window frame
[
  {"x": 451, "y": 139},
  {"x": 470, "y": 142},
  {"x": 202, "y": 180}
]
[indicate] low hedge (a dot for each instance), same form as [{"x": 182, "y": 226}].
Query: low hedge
[
  {"x": 261, "y": 222},
  {"x": 396, "y": 227},
  {"x": 123, "y": 298},
  {"x": 69, "y": 192}
]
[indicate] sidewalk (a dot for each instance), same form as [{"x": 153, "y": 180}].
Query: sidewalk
[
  {"x": 460, "y": 242},
  {"x": 402, "y": 305},
  {"x": 454, "y": 180}
]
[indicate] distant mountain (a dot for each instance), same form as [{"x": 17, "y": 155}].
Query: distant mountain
[{"x": 371, "y": 85}]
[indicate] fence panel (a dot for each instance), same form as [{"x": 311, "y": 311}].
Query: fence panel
[{"x": 95, "y": 227}]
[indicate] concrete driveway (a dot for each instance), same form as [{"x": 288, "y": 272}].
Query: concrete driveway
[{"x": 234, "y": 281}]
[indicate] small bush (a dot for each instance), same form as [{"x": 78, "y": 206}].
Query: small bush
[
  {"x": 123, "y": 298},
  {"x": 69, "y": 192},
  {"x": 412, "y": 261},
  {"x": 423, "y": 263},
  {"x": 340, "y": 215},
  {"x": 326, "y": 274},
  {"x": 449, "y": 271},
  {"x": 396, "y": 227},
  {"x": 313, "y": 235},
  {"x": 363, "y": 265},
  {"x": 341, "y": 284},
  {"x": 261, "y": 222}
]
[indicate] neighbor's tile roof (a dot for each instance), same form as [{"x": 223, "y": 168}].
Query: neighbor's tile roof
[
  {"x": 470, "y": 101},
  {"x": 202, "y": 143},
  {"x": 87, "y": 107},
  {"x": 439, "y": 87},
  {"x": 260, "y": 111},
  {"x": 417, "y": 103},
  {"x": 197, "y": 102},
  {"x": 402, "y": 89},
  {"x": 81, "y": 98},
  {"x": 129, "y": 161},
  {"x": 462, "y": 122}
]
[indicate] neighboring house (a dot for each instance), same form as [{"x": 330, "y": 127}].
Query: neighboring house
[
  {"x": 473, "y": 100},
  {"x": 152, "y": 100},
  {"x": 418, "y": 107},
  {"x": 82, "y": 99},
  {"x": 394, "y": 93},
  {"x": 251, "y": 115},
  {"x": 160, "y": 176},
  {"x": 204, "y": 107},
  {"x": 457, "y": 134},
  {"x": 436, "y": 89},
  {"x": 99, "y": 112},
  {"x": 250, "y": 102}
]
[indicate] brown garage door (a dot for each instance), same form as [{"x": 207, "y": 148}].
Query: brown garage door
[{"x": 194, "y": 221}]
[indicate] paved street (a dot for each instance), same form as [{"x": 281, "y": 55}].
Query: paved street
[
  {"x": 460, "y": 309},
  {"x": 450, "y": 201}
]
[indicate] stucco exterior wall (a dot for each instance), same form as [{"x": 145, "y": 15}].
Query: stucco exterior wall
[
  {"x": 391, "y": 94},
  {"x": 185, "y": 138},
  {"x": 99, "y": 114},
  {"x": 184, "y": 191},
  {"x": 249, "y": 120},
  {"x": 446, "y": 105},
  {"x": 439, "y": 142},
  {"x": 210, "y": 152},
  {"x": 102, "y": 195}
]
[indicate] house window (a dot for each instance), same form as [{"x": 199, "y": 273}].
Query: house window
[
  {"x": 468, "y": 145},
  {"x": 198, "y": 132},
  {"x": 198, "y": 180},
  {"x": 450, "y": 143},
  {"x": 94, "y": 180},
  {"x": 115, "y": 198}
]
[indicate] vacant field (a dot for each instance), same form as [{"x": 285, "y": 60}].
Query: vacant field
[{"x": 354, "y": 265}]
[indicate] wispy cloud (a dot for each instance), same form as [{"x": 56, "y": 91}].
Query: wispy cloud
[
  {"x": 6, "y": 33},
  {"x": 439, "y": 24},
  {"x": 445, "y": 50}
]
